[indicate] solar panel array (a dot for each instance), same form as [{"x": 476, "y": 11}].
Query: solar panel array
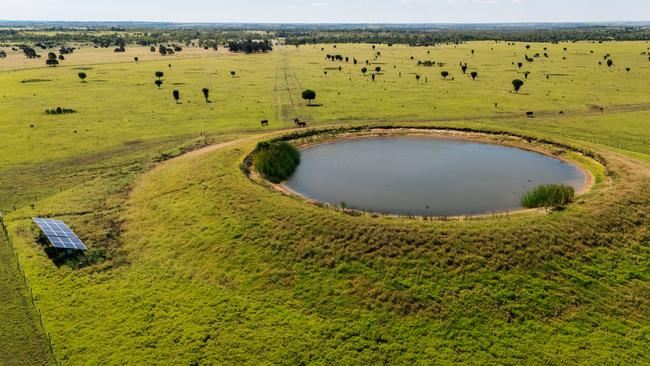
[{"x": 59, "y": 234}]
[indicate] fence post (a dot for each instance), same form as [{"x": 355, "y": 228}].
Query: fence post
[{"x": 21, "y": 270}]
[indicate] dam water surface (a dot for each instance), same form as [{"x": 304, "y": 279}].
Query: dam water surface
[{"x": 427, "y": 176}]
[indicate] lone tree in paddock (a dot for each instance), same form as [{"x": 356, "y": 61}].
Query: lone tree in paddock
[
  {"x": 417, "y": 78},
  {"x": 158, "y": 83},
  {"x": 206, "y": 94},
  {"x": 444, "y": 74},
  {"x": 474, "y": 75},
  {"x": 82, "y": 76},
  {"x": 177, "y": 96},
  {"x": 364, "y": 70},
  {"x": 309, "y": 95},
  {"x": 51, "y": 59},
  {"x": 159, "y": 74},
  {"x": 517, "y": 84},
  {"x": 136, "y": 59},
  {"x": 232, "y": 73},
  {"x": 610, "y": 62}
]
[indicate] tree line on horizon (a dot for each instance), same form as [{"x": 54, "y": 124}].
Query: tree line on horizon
[{"x": 260, "y": 38}]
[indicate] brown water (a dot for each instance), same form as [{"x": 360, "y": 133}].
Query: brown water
[{"x": 425, "y": 175}]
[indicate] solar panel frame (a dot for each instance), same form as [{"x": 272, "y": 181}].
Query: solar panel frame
[{"x": 59, "y": 234}]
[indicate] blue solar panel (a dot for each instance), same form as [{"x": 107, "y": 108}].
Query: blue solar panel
[{"x": 59, "y": 234}]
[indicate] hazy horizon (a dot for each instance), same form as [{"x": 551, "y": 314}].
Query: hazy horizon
[{"x": 331, "y": 11}]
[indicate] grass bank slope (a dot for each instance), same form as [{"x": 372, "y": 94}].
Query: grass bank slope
[{"x": 222, "y": 270}]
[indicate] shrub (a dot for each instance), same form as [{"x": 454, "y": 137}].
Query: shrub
[
  {"x": 59, "y": 110},
  {"x": 276, "y": 161},
  {"x": 309, "y": 95},
  {"x": 548, "y": 196}
]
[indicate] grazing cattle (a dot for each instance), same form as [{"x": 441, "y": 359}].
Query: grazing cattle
[
  {"x": 530, "y": 114},
  {"x": 264, "y": 122},
  {"x": 302, "y": 124}
]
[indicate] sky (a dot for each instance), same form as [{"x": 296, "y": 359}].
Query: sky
[{"x": 329, "y": 11}]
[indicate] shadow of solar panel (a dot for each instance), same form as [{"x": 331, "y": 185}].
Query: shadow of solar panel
[{"x": 59, "y": 234}]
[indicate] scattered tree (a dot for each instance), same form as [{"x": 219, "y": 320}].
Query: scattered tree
[
  {"x": 233, "y": 73},
  {"x": 82, "y": 76},
  {"x": 378, "y": 69},
  {"x": 417, "y": 78},
  {"x": 177, "y": 96},
  {"x": 444, "y": 74},
  {"x": 474, "y": 75},
  {"x": 308, "y": 95},
  {"x": 517, "y": 84},
  {"x": 610, "y": 62},
  {"x": 364, "y": 70},
  {"x": 159, "y": 74},
  {"x": 51, "y": 59},
  {"x": 158, "y": 83},
  {"x": 464, "y": 68},
  {"x": 206, "y": 94}
]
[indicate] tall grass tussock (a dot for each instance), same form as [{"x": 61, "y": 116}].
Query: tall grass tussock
[
  {"x": 276, "y": 161},
  {"x": 548, "y": 196}
]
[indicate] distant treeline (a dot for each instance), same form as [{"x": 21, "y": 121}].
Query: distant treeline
[
  {"x": 425, "y": 37},
  {"x": 206, "y": 38},
  {"x": 259, "y": 38}
]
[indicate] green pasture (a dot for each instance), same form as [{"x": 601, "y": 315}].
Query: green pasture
[{"x": 204, "y": 266}]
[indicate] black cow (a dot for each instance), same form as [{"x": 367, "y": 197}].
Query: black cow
[{"x": 264, "y": 122}]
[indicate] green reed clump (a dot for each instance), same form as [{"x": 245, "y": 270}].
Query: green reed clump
[
  {"x": 548, "y": 196},
  {"x": 276, "y": 161}
]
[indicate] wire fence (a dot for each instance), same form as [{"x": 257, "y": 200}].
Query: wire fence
[{"x": 29, "y": 288}]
